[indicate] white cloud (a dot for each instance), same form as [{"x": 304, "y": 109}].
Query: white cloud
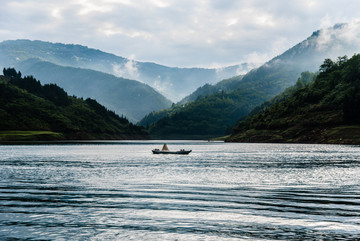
[
  {"x": 160, "y": 3},
  {"x": 324, "y": 38},
  {"x": 343, "y": 39},
  {"x": 350, "y": 33},
  {"x": 132, "y": 69},
  {"x": 89, "y": 6},
  {"x": 177, "y": 33},
  {"x": 257, "y": 58}
]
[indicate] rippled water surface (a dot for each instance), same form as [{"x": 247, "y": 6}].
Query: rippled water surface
[{"x": 221, "y": 191}]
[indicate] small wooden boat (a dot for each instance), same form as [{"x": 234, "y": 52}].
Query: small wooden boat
[{"x": 165, "y": 150}]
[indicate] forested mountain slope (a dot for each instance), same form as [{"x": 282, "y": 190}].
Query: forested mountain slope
[
  {"x": 323, "y": 111},
  {"x": 207, "y": 117},
  {"x": 32, "y": 108},
  {"x": 252, "y": 89},
  {"x": 226, "y": 85}
]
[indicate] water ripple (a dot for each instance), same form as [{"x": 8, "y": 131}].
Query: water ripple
[{"x": 221, "y": 192}]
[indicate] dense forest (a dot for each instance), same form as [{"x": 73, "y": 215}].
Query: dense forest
[
  {"x": 207, "y": 117},
  {"x": 27, "y": 106},
  {"x": 224, "y": 86},
  {"x": 324, "y": 109}
]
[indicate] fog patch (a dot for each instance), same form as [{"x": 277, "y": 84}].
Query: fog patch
[
  {"x": 245, "y": 68},
  {"x": 127, "y": 70},
  {"x": 164, "y": 87},
  {"x": 341, "y": 36},
  {"x": 230, "y": 71},
  {"x": 257, "y": 58},
  {"x": 324, "y": 39}
]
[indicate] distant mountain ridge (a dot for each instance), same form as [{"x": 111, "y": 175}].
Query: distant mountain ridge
[
  {"x": 174, "y": 83},
  {"x": 225, "y": 85},
  {"x": 126, "y": 97}
]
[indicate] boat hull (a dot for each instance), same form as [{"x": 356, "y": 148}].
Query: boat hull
[{"x": 171, "y": 152}]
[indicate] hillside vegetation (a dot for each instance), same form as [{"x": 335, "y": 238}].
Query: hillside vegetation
[
  {"x": 202, "y": 116},
  {"x": 31, "y": 111},
  {"x": 211, "y": 115},
  {"x": 225, "y": 85},
  {"x": 325, "y": 110},
  {"x": 207, "y": 117}
]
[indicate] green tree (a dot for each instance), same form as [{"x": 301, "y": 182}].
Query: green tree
[
  {"x": 327, "y": 65},
  {"x": 11, "y": 72}
]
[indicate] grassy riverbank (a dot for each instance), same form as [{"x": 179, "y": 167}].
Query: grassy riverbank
[{"x": 7, "y": 136}]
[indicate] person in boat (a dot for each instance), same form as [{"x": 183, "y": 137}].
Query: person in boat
[{"x": 165, "y": 148}]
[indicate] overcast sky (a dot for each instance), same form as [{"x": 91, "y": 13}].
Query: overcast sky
[{"x": 183, "y": 33}]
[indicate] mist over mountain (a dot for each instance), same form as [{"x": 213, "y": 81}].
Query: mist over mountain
[
  {"x": 341, "y": 39},
  {"x": 256, "y": 86},
  {"x": 126, "y": 97},
  {"x": 174, "y": 83},
  {"x": 261, "y": 83}
]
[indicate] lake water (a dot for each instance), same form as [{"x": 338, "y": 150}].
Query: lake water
[{"x": 221, "y": 191}]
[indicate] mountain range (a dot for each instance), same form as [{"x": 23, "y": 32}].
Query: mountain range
[
  {"x": 220, "y": 108},
  {"x": 211, "y": 110},
  {"x": 128, "y": 87},
  {"x": 172, "y": 82}
]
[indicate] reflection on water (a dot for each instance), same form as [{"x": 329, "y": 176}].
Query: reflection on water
[{"x": 221, "y": 191}]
